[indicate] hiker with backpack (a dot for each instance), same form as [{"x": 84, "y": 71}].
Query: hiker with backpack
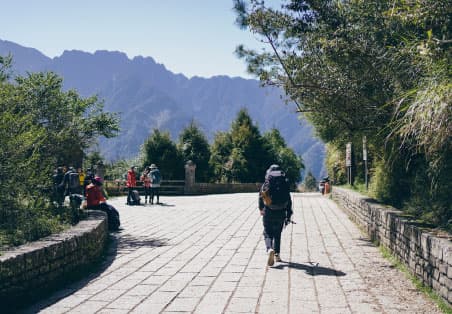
[
  {"x": 71, "y": 182},
  {"x": 131, "y": 185},
  {"x": 275, "y": 205},
  {"x": 58, "y": 188},
  {"x": 156, "y": 179}
]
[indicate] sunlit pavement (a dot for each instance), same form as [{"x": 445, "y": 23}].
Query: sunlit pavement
[{"x": 205, "y": 254}]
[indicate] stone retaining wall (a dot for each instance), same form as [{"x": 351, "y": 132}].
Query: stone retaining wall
[
  {"x": 427, "y": 256},
  {"x": 36, "y": 267},
  {"x": 221, "y": 188}
]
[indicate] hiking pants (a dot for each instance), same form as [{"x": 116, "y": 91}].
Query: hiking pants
[
  {"x": 272, "y": 232},
  {"x": 155, "y": 191},
  {"x": 147, "y": 192},
  {"x": 129, "y": 195}
]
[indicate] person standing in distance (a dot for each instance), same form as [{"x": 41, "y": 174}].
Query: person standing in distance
[
  {"x": 131, "y": 184},
  {"x": 275, "y": 205},
  {"x": 156, "y": 179},
  {"x": 146, "y": 184}
]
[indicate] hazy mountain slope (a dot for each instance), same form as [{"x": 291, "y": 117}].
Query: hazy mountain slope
[{"x": 149, "y": 96}]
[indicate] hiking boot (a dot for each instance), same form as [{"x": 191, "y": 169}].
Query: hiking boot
[
  {"x": 277, "y": 258},
  {"x": 271, "y": 258}
]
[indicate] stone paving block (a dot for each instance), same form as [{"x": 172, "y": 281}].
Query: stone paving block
[
  {"x": 112, "y": 311},
  {"x": 210, "y": 271},
  {"x": 88, "y": 307},
  {"x": 155, "y": 280},
  {"x": 107, "y": 295},
  {"x": 194, "y": 291},
  {"x": 148, "y": 307},
  {"x": 126, "y": 302},
  {"x": 272, "y": 308},
  {"x": 242, "y": 305},
  {"x": 223, "y": 286},
  {"x": 182, "y": 305},
  {"x": 141, "y": 290},
  {"x": 213, "y": 302},
  {"x": 173, "y": 285},
  {"x": 125, "y": 284},
  {"x": 203, "y": 281}
]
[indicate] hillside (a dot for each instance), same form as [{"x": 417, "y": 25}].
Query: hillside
[{"x": 149, "y": 96}]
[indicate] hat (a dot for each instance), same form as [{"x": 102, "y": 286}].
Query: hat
[
  {"x": 98, "y": 180},
  {"x": 153, "y": 166}
]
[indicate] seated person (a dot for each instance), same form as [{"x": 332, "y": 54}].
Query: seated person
[
  {"x": 94, "y": 195},
  {"x": 95, "y": 199}
]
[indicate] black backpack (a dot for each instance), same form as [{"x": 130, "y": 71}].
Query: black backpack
[
  {"x": 74, "y": 180},
  {"x": 275, "y": 190}
]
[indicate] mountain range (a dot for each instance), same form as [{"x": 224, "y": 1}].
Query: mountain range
[{"x": 149, "y": 96}]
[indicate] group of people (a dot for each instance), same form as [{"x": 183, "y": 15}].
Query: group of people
[
  {"x": 275, "y": 204},
  {"x": 68, "y": 181},
  {"x": 151, "y": 178}
]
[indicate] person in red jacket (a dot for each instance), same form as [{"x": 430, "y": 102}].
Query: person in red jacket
[
  {"x": 146, "y": 184},
  {"x": 131, "y": 184},
  {"x": 94, "y": 195},
  {"x": 95, "y": 199}
]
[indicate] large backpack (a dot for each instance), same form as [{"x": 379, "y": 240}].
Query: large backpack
[
  {"x": 155, "y": 176},
  {"x": 275, "y": 190},
  {"x": 74, "y": 181}
]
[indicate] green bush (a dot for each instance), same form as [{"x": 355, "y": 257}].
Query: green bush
[{"x": 41, "y": 126}]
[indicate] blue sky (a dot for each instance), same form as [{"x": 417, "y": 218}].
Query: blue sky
[{"x": 195, "y": 37}]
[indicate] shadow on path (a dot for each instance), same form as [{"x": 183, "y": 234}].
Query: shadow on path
[
  {"x": 128, "y": 241},
  {"x": 116, "y": 244},
  {"x": 312, "y": 269}
]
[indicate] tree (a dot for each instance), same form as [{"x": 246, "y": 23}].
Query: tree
[
  {"x": 284, "y": 156},
  {"x": 41, "y": 127},
  {"x": 159, "y": 149},
  {"x": 391, "y": 85},
  {"x": 310, "y": 183},
  {"x": 220, "y": 151},
  {"x": 243, "y": 155},
  {"x": 249, "y": 146},
  {"x": 194, "y": 146}
]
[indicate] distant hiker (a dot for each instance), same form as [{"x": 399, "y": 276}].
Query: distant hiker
[
  {"x": 146, "y": 184},
  {"x": 58, "y": 187},
  {"x": 275, "y": 205},
  {"x": 96, "y": 200},
  {"x": 131, "y": 184},
  {"x": 156, "y": 179},
  {"x": 71, "y": 182}
]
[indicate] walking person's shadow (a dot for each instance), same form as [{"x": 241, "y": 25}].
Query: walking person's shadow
[{"x": 311, "y": 268}]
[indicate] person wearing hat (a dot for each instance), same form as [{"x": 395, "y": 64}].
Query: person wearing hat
[
  {"x": 155, "y": 178},
  {"x": 131, "y": 184}
]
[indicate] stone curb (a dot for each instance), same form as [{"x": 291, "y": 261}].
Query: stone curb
[
  {"x": 426, "y": 255},
  {"x": 33, "y": 268}
]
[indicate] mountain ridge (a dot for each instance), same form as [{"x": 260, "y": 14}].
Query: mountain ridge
[{"x": 150, "y": 96}]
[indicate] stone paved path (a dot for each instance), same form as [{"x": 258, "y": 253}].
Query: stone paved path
[{"x": 205, "y": 254}]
